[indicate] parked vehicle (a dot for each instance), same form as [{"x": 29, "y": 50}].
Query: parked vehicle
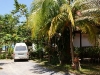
[{"x": 20, "y": 51}]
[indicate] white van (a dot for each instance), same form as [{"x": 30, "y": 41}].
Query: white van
[{"x": 20, "y": 51}]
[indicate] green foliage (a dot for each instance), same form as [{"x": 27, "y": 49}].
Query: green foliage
[
  {"x": 21, "y": 8},
  {"x": 8, "y": 23},
  {"x": 3, "y": 56},
  {"x": 16, "y": 4},
  {"x": 7, "y": 54},
  {"x": 82, "y": 12},
  {"x": 88, "y": 52},
  {"x": 12, "y": 30},
  {"x": 10, "y": 51},
  {"x": 43, "y": 15},
  {"x": 87, "y": 16},
  {"x": 23, "y": 31},
  {"x": 8, "y": 27},
  {"x": 61, "y": 14}
]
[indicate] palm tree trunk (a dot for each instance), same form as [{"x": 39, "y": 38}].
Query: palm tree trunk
[
  {"x": 75, "y": 64},
  {"x": 71, "y": 40},
  {"x": 69, "y": 2},
  {"x": 71, "y": 44}
]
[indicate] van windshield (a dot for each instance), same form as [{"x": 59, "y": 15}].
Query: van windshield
[{"x": 20, "y": 48}]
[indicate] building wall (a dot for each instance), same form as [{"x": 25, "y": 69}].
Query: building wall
[
  {"x": 76, "y": 41},
  {"x": 85, "y": 41}
]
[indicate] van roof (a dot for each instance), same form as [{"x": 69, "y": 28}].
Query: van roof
[{"x": 20, "y": 44}]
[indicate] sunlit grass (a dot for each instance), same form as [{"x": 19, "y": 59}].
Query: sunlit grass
[
  {"x": 91, "y": 69},
  {"x": 86, "y": 69}
]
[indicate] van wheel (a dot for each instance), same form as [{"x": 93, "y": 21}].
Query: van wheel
[{"x": 26, "y": 59}]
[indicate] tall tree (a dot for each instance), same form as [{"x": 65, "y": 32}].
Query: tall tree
[
  {"x": 43, "y": 16},
  {"x": 61, "y": 13},
  {"x": 21, "y": 11}
]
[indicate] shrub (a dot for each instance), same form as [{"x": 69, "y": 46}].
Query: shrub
[
  {"x": 3, "y": 56},
  {"x": 90, "y": 52}
]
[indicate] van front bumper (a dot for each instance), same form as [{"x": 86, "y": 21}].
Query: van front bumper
[{"x": 21, "y": 57}]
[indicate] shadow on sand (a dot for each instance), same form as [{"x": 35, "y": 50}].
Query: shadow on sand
[{"x": 39, "y": 69}]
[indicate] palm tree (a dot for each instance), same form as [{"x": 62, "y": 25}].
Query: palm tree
[
  {"x": 89, "y": 18},
  {"x": 54, "y": 15},
  {"x": 43, "y": 16},
  {"x": 43, "y": 11},
  {"x": 85, "y": 15}
]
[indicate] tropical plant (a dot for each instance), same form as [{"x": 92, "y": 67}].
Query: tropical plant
[
  {"x": 85, "y": 15},
  {"x": 7, "y": 23},
  {"x": 43, "y": 16},
  {"x": 61, "y": 14}
]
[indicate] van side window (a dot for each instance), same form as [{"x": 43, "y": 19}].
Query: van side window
[{"x": 20, "y": 48}]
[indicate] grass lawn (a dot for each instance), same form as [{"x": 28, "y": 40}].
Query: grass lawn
[
  {"x": 90, "y": 69},
  {"x": 86, "y": 69}
]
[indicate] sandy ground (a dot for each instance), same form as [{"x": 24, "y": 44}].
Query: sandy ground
[{"x": 25, "y": 68}]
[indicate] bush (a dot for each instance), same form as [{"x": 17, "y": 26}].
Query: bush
[
  {"x": 90, "y": 52},
  {"x": 3, "y": 56},
  {"x": 10, "y": 51},
  {"x": 9, "y": 54}
]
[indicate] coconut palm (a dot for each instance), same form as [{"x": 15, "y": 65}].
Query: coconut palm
[
  {"x": 53, "y": 15},
  {"x": 43, "y": 11},
  {"x": 89, "y": 18},
  {"x": 43, "y": 16},
  {"x": 85, "y": 15}
]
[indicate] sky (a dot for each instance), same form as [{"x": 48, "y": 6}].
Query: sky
[{"x": 6, "y": 6}]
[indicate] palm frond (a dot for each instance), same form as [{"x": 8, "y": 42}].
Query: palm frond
[
  {"x": 87, "y": 19},
  {"x": 95, "y": 12},
  {"x": 67, "y": 9},
  {"x": 90, "y": 30},
  {"x": 87, "y": 4},
  {"x": 36, "y": 4},
  {"x": 42, "y": 13},
  {"x": 57, "y": 23}
]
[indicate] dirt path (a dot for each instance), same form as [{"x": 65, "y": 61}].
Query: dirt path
[{"x": 25, "y": 68}]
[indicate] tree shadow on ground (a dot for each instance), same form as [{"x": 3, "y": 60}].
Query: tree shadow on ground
[
  {"x": 92, "y": 67},
  {"x": 3, "y": 64},
  {"x": 40, "y": 69}
]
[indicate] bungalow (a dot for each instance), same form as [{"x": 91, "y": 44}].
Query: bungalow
[{"x": 81, "y": 40}]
